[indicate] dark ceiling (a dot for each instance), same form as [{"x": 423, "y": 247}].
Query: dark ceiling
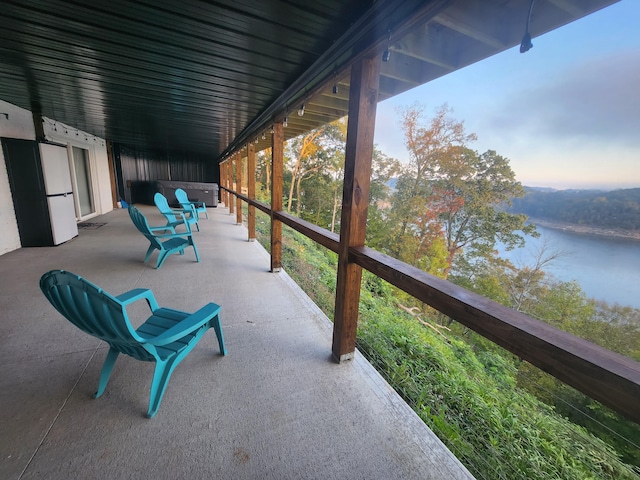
[{"x": 205, "y": 77}]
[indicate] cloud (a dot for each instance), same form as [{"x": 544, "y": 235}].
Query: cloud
[{"x": 596, "y": 99}]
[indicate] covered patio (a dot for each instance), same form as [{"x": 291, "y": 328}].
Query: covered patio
[
  {"x": 277, "y": 406},
  {"x": 169, "y": 91}
]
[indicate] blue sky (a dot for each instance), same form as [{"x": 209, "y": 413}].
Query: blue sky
[{"x": 566, "y": 113}]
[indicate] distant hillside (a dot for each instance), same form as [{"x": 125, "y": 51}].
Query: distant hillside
[{"x": 617, "y": 209}]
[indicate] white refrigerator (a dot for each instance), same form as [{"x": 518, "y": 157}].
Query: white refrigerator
[{"x": 59, "y": 192}]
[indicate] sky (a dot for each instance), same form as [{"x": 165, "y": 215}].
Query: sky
[{"x": 566, "y": 113}]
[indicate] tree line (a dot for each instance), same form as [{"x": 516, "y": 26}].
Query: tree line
[{"x": 614, "y": 209}]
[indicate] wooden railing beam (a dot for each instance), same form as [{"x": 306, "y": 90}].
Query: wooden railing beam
[
  {"x": 610, "y": 378},
  {"x": 603, "y": 375}
]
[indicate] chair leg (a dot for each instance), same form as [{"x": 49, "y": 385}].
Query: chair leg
[
  {"x": 109, "y": 362},
  {"x": 161, "y": 376},
  {"x": 162, "y": 256},
  {"x": 195, "y": 249},
  {"x": 149, "y": 252},
  {"x": 218, "y": 329}
]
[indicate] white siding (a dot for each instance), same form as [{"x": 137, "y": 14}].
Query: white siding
[
  {"x": 100, "y": 181},
  {"x": 20, "y": 125}
]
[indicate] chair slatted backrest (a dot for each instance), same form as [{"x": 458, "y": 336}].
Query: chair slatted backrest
[
  {"x": 181, "y": 196},
  {"x": 93, "y": 311},
  {"x": 141, "y": 223},
  {"x": 183, "y": 199},
  {"x": 163, "y": 205}
]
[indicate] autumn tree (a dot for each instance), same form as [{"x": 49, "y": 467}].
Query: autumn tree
[
  {"x": 313, "y": 153},
  {"x": 449, "y": 198}
]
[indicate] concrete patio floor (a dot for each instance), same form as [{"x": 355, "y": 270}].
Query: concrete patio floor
[{"x": 276, "y": 407}]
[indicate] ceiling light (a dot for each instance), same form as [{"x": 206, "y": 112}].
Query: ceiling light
[
  {"x": 387, "y": 53},
  {"x": 301, "y": 110},
  {"x": 284, "y": 121},
  {"x": 525, "y": 44}
]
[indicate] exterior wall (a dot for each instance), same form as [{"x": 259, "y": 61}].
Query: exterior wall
[
  {"x": 20, "y": 125},
  {"x": 100, "y": 179}
]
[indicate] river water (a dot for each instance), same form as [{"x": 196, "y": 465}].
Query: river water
[{"x": 606, "y": 268}]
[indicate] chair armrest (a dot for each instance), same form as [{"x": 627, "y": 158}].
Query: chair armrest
[
  {"x": 188, "y": 233},
  {"x": 183, "y": 210},
  {"x": 138, "y": 294},
  {"x": 155, "y": 229},
  {"x": 186, "y": 326}
]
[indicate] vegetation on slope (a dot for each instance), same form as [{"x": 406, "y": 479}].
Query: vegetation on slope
[{"x": 467, "y": 394}]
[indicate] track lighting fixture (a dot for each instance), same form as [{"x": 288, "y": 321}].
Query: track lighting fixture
[
  {"x": 387, "y": 53},
  {"x": 525, "y": 44},
  {"x": 284, "y": 121},
  {"x": 264, "y": 135},
  {"x": 301, "y": 110}
]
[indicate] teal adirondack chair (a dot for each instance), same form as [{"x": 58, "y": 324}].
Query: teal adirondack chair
[
  {"x": 165, "y": 338},
  {"x": 185, "y": 203},
  {"x": 176, "y": 217},
  {"x": 165, "y": 243}
]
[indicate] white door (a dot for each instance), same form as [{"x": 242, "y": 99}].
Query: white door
[
  {"x": 63, "y": 218},
  {"x": 82, "y": 181},
  {"x": 55, "y": 167}
]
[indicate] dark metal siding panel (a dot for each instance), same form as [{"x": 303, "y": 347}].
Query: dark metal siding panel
[{"x": 139, "y": 169}]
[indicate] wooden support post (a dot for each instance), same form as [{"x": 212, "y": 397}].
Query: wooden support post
[
  {"x": 223, "y": 183},
  {"x": 251, "y": 191},
  {"x": 232, "y": 200},
  {"x": 227, "y": 164},
  {"x": 363, "y": 99},
  {"x": 238, "y": 188},
  {"x": 38, "y": 121},
  {"x": 277, "y": 169},
  {"x": 112, "y": 174}
]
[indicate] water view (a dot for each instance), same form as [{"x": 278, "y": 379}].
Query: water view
[{"x": 606, "y": 268}]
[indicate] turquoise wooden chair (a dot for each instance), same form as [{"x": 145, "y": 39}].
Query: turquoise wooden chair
[
  {"x": 165, "y": 243},
  {"x": 165, "y": 338},
  {"x": 183, "y": 200},
  {"x": 176, "y": 216}
]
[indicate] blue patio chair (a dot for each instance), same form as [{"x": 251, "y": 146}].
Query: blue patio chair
[
  {"x": 184, "y": 202},
  {"x": 176, "y": 216},
  {"x": 165, "y": 243},
  {"x": 165, "y": 338}
]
